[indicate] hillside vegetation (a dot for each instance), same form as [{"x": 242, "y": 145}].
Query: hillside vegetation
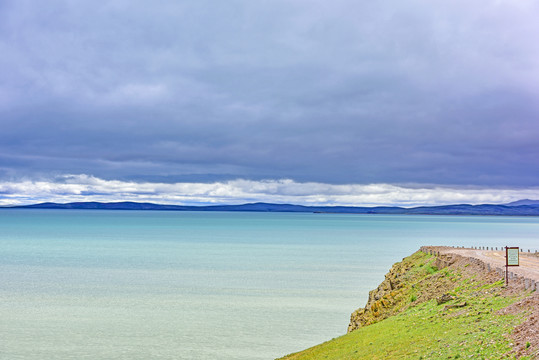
[{"x": 428, "y": 308}]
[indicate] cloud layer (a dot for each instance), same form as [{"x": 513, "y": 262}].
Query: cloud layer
[
  {"x": 87, "y": 188},
  {"x": 347, "y": 92}
]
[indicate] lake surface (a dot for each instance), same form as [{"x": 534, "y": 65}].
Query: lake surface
[{"x": 92, "y": 284}]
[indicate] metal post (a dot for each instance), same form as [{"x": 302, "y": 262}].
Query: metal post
[{"x": 506, "y": 268}]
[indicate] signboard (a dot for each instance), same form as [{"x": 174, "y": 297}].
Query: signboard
[{"x": 511, "y": 256}]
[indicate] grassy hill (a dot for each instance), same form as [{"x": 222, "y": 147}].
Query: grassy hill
[{"x": 403, "y": 319}]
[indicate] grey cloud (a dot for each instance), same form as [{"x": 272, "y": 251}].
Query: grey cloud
[{"x": 347, "y": 92}]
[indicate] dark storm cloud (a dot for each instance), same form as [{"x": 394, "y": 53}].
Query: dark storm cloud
[{"x": 347, "y": 92}]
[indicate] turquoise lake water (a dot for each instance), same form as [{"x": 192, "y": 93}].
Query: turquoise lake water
[{"x": 91, "y": 284}]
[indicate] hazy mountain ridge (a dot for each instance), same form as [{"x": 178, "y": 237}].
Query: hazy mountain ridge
[
  {"x": 526, "y": 208},
  {"x": 524, "y": 202}
]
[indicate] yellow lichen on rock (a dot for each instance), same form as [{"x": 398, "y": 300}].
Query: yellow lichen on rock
[{"x": 401, "y": 287}]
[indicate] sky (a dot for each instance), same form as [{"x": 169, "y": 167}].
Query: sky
[{"x": 347, "y": 102}]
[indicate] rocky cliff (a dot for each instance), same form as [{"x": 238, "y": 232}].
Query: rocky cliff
[{"x": 406, "y": 285}]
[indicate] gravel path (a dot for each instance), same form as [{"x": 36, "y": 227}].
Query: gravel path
[{"x": 529, "y": 263}]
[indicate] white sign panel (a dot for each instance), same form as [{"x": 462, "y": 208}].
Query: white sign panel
[{"x": 512, "y": 256}]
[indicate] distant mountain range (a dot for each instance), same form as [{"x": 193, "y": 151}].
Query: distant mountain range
[
  {"x": 520, "y": 208},
  {"x": 524, "y": 202}
]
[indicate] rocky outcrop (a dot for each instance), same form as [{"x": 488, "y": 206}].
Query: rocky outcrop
[
  {"x": 443, "y": 299},
  {"x": 404, "y": 285},
  {"x": 382, "y": 301}
]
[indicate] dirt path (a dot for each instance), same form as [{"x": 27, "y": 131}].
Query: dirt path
[{"x": 529, "y": 263}]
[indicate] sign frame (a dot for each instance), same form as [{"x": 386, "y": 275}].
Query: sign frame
[{"x": 510, "y": 253}]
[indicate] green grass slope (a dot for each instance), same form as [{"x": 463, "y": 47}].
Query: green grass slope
[{"x": 422, "y": 329}]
